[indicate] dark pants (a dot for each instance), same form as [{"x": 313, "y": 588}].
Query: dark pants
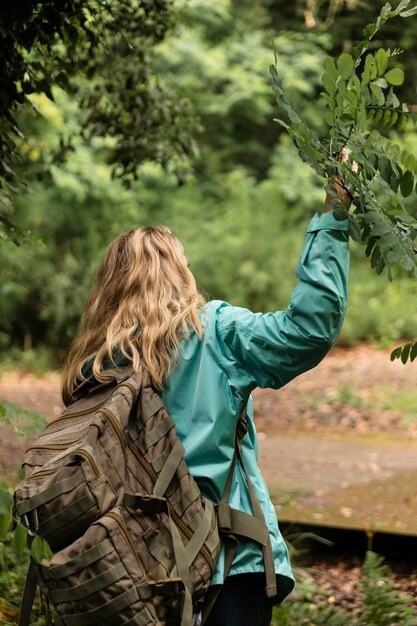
[{"x": 242, "y": 602}]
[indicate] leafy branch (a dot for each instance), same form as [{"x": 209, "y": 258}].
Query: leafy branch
[
  {"x": 406, "y": 352},
  {"x": 360, "y": 102}
]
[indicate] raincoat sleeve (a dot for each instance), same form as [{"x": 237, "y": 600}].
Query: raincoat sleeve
[{"x": 271, "y": 349}]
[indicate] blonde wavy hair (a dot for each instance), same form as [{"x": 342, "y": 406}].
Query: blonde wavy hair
[{"x": 143, "y": 301}]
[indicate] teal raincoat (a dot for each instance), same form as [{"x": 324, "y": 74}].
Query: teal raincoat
[{"x": 241, "y": 350}]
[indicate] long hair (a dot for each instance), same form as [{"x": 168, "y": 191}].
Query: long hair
[{"x": 143, "y": 301}]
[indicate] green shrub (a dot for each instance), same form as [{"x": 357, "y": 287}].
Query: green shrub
[{"x": 379, "y": 603}]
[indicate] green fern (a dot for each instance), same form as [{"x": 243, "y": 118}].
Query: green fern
[
  {"x": 382, "y": 604},
  {"x": 301, "y": 614}
]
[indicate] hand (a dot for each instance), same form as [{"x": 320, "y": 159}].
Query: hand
[{"x": 340, "y": 187}]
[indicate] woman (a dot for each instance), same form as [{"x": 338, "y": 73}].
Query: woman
[{"x": 205, "y": 359}]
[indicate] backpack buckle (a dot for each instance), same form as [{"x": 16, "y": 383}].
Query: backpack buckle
[
  {"x": 224, "y": 518},
  {"x": 149, "y": 504},
  {"x": 27, "y": 523}
]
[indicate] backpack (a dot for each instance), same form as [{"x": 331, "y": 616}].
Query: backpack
[{"x": 133, "y": 540}]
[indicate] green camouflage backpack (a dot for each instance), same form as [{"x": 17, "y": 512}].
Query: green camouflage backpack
[{"x": 133, "y": 540}]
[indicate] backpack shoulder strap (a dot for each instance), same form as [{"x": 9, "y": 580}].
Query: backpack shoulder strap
[
  {"x": 28, "y": 597},
  {"x": 233, "y": 523},
  {"x": 116, "y": 375}
]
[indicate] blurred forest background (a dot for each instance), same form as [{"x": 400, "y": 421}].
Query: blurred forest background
[{"x": 162, "y": 113}]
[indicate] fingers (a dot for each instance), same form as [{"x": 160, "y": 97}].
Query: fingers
[{"x": 344, "y": 156}]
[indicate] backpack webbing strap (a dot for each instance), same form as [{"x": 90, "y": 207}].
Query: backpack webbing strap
[
  {"x": 143, "y": 618},
  {"x": 92, "y": 585},
  {"x": 120, "y": 602},
  {"x": 169, "y": 469},
  {"x": 84, "y": 560},
  {"x": 271, "y": 585},
  {"x": 63, "y": 486},
  {"x": 182, "y": 570},
  {"x": 194, "y": 545},
  {"x": 233, "y": 522},
  {"x": 28, "y": 595}
]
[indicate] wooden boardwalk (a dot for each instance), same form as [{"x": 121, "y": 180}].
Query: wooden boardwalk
[{"x": 351, "y": 482}]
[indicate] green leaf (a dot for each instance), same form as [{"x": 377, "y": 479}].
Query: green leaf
[
  {"x": 328, "y": 83},
  {"x": 409, "y": 12},
  {"x": 379, "y": 229},
  {"x": 408, "y": 264},
  {"x": 5, "y": 521},
  {"x": 378, "y": 116},
  {"x": 376, "y": 255},
  {"x": 369, "y": 30},
  {"x": 393, "y": 255},
  {"x": 380, "y": 266},
  {"x": 40, "y": 549},
  {"x": 405, "y": 351},
  {"x": 353, "y": 97},
  {"x": 329, "y": 100},
  {"x": 6, "y": 500},
  {"x": 384, "y": 167},
  {"x": 370, "y": 245},
  {"x": 345, "y": 65},
  {"x": 394, "y": 182},
  {"x": 387, "y": 117},
  {"x": 370, "y": 72},
  {"x": 402, "y": 122},
  {"x": 403, "y": 4},
  {"x": 381, "y": 58},
  {"x": 407, "y": 183},
  {"x": 382, "y": 83},
  {"x": 386, "y": 9},
  {"x": 395, "y": 354},
  {"x": 394, "y": 118},
  {"x": 328, "y": 118},
  {"x": 388, "y": 240},
  {"x": 395, "y": 76},
  {"x": 392, "y": 100},
  {"x": 330, "y": 67},
  {"x": 413, "y": 352},
  {"x": 409, "y": 161},
  {"x": 19, "y": 538},
  {"x": 354, "y": 230},
  {"x": 378, "y": 93}
]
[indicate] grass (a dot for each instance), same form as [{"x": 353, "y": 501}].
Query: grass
[
  {"x": 378, "y": 397},
  {"x": 23, "y": 421},
  {"x": 38, "y": 361},
  {"x": 404, "y": 401}
]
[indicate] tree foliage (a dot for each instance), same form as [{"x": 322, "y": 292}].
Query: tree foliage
[
  {"x": 241, "y": 215},
  {"x": 100, "y": 53}
]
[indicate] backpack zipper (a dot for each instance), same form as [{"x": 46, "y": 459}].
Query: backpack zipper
[
  {"x": 97, "y": 406},
  {"x": 78, "y": 413},
  {"x": 115, "y": 426},
  {"x": 89, "y": 457},
  {"x": 53, "y": 446},
  {"x": 77, "y": 452},
  {"x": 124, "y": 530},
  {"x": 177, "y": 519}
]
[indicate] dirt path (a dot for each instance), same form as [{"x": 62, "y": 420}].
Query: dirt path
[{"x": 351, "y": 393}]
